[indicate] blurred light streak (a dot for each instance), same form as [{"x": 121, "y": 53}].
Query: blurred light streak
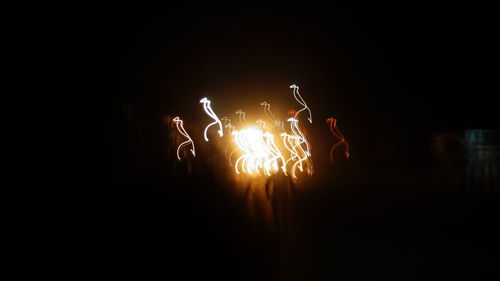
[
  {"x": 336, "y": 133},
  {"x": 208, "y": 109},
  {"x": 267, "y": 111},
  {"x": 300, "y": 100},
  {"x": 280, "y": 125},
  {"x": 294, "y": 144},
  {"x": 241, "y": 116},
  {"x": 259, "y": 152},
  {"x": 294, "y": 125},
  {"x": 255, "y": 147},
  {"x": 261, "y": 123},
  {"x": 180, "y": 127}
]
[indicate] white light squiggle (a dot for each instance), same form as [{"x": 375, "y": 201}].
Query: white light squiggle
[
  {"x": 259, "y": 152},
  {"x": 280, "y": 125},
  {"x": 241, "y": 115},
  {"x": 298, "y": 155},
  {"x": 262, "y": 124},
  {"x": 208, "y": 109},
  {"x": 180, "y": 127},
  {"x": 276, "y": 152},
  {"x": 294, "y": 125},
  {"x": 300, "y": 100},
  {"x": 229, "y": 127},
  {"x": 267, "y": 111}
]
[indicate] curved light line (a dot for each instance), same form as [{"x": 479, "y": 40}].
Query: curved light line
[
  {"x": 241, "y": 115},
  {"x": 208, "y": 109},
  {"x": 262, "y": 124},
  {"x": 180, "y": 127},
  {"x": 294, "y": 125},
  {"x": 259, "y": 153},
  {"x": 300, "y": 100},
  {"x": 335, "y": 131},
  {"x": 267, "y": 111}
]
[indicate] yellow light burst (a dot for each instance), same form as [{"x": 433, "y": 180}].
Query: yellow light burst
[
  {"x": 254, "y": 150},
  {"x": 259, "y": 152}
]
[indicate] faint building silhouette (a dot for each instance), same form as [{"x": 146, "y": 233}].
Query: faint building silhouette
[
  {"x": 466, "y": 161},
  {"x": 482, "y": 166}
]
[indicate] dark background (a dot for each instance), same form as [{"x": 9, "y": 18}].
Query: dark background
[{"x": 103, "y": 77}]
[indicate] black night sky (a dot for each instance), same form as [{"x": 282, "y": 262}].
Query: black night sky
[{"x": 413, "y": 89}]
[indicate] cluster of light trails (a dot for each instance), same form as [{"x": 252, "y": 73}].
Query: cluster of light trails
[
  {"x": 259, "y": 152},
  {"x": 267, "y": 147}
]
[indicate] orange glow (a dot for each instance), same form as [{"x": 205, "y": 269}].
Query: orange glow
[
  {"x": 259, "y": 152},
  {"x": 269, "y": 146},
  {"x": 336, "y": 133}
]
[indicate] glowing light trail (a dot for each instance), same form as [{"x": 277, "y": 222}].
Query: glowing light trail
[
  {"x": 230, "y": 127},
  {"x": 280, "y": 125},
  {"x": 294, "y": 125},
  {"x": 276, "y": 152},
  {"x": 289, "y": 142},
  {"x": 208, "y": 109},
  {"x": 180, "y": 127},
  {"x": 336, "y": 133},
  {"x": 262, "y": 124},
  {"x": 241, "y": 115},
  {"x": 259, "y": 152},
  {"x": 255, "y": 150},
  {"x": 300, "y": 100},
  {"x": 267, "y": 111},
  {"x": 294, "y": 144}
]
